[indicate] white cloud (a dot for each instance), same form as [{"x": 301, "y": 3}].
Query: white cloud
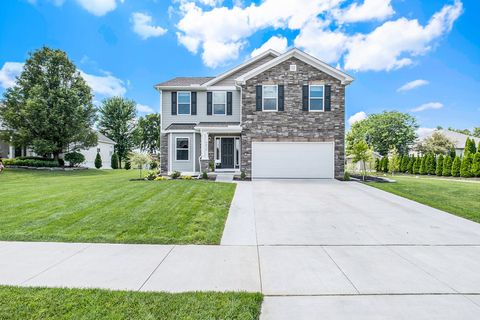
[
  {"x": 393, "y": 44},
  {"x": 144, "y": 109},
  {"x": 99, "y": 7},
  {"x": 211, "y": 3},
  {"x": 422, "y": 132},
  {"x": 368, "y": 10},
  {"x": 9, "y": 73},
  {"x": 359, "y": 116},
  {"x": 106, "y": 85},
  {"x": 412, "y": 85},
  {"x": 428, "y": 106},
  {"x": 277, "y": 43},
  {"x": 142, "y": 25}
]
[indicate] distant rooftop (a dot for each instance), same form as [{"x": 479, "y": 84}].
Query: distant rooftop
[
  {"x": 457, "y": 137},
  {"x": 184, "y": 81},
  {"x": 102, "y": 138}
]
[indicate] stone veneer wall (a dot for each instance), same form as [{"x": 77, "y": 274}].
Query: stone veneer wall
[
  {"x": 164, "y": 153},
  {"x": 293, "y": 124}
]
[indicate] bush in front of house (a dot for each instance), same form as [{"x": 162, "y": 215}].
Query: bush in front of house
[
  {"x": 43, "y": 163},
  {"x": 466, "y": 166},
  {"x": 205, "y": 175},
  {"x": 114, "y": 161},
  {"x": 128, "y": 164},
  {"x": 456, "y": 167},
  {"x": 447, "y": 166},
  {"x": 151, "y": 175},
  {"x": 175, "y": 175},
  {"x": 74, "y": 158},
  {"x": 439, "y": 168},
  {"x": 153, "y": 165},
  {"x": 98, "y": 161}
]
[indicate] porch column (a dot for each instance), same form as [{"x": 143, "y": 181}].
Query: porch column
[
  {"x": 11, "y": 152},
  {"x": 204, "y": 145}
]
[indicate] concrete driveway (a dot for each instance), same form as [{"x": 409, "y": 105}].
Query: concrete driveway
[{"x": 343, "y": 250}]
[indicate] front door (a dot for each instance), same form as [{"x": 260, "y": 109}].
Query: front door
[{"x": 227, "y": 153}]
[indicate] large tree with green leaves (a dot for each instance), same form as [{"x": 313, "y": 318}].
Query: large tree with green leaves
[
  {"x": 117, "y": 121},
  {"x": 49, "y": 109},
  {"x": 437, "y": 143},
  {"x": 385, "y": 130},
  {"x": 148, "y": 133}
]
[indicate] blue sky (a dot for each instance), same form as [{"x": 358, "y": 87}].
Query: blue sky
[{"x": 430, "y": 48}]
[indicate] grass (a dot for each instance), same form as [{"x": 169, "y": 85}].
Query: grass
[
  {"x": 92, "y": 304},
  {"x": 457, "y": 197},
  {"x": 104, "y": 206}
]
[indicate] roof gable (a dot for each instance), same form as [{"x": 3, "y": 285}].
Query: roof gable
[{"x": 318, "y": 64}]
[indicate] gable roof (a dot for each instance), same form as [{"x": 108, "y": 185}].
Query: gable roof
[
  {"x": 104, "y": 139},
  {"x": 458, "y": 138},
  {"x": 320, "y": 65},
  {"x": 241, "y": 66},
  {"x": 184, "y": 81}
]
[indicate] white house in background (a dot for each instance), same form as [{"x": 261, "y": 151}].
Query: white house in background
[
  {"x": 105, "y": 147},
  {"x": 458, "y": 139}
]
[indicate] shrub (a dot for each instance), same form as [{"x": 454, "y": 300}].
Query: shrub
[
  {"x": 439, "y": 168},
  {"x": 151, "y": 175},
  {"x": 431, "y": 164},
  {"x": 205, "y": 175},
  {"x": 128, "y": 165},
  {"x": 98, "y": 161},
  {"x": 114, "y": 161},
  {"x": 411, "y": 163},
  {"x": 61, "y": 162},
  {"x": 175, "y": 175},
  {"x": 385, "y": 164},
  {"x": 159, "y": 178},
  {"x": 377, "y": 164},
  {"x": 447, "y": 166},
  {"x": 186, "y": 177},
  {"x": 243, "y": 175},
  {"x": 405, "y": 162},
  {"x": 346, "y": 176},
  {"x": 153, "y": 165},
  {"x": 466, "y": 166},
  {"x": 456, "y": 167},
  {"x": 423, "y": 165},
  {"x": 417, "y": 165},
  {"x": 44, "y": 163},
  {"x": 74, "y": 158},
  {"x": 211, "y": 165},
  {"x": 476, "y": 165}
]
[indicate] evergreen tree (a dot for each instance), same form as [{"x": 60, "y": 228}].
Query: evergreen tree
[
  {"x": 404, "y": 164},
  {"x": 98, "y": 161},
  {"x": 476, "y": 165},
  {"x": 411, "y": 163},
  {"x": 377, "y": 164},
  {"x": 114, "y": 161},
  {"x": 456, "y": 167},
  {"x": 447, "y": 166},
  {"x": 423, "y": 165},
  {"x": 470, "y": 147},
  {"x": 385, "y": 164},
  {"x": 431, "y": 164},
  {"x": 466, "y": 166},
  {"x": 417, "y": 165},
  {"x": 439, "y": 169},
  {"x": 394, "y": 161},
  {"x": 128, "y": 164},
  {"x": 467, "y": 146}
]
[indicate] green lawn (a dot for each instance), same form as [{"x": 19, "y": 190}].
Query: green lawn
[
  {"x": 41, "y": 303},
  {"x": 457, "y": 197},
  {"x": 104, "y": 206}
]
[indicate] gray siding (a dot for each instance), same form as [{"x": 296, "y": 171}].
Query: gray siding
[
  {"x": 201, "y": 116},
  {"x": 230, "y": 80},
  {"x": 182, "y": 166}
]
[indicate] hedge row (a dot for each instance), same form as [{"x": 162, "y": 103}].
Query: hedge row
[{"x": 39, "y": 162}]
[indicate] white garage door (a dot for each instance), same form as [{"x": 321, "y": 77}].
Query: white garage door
[{"x": 292, "y": 160}]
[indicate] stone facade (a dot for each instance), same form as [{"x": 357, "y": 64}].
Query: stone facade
[
  {"x": 164, "y": 153},
  {"x": 293, "y": 124}
]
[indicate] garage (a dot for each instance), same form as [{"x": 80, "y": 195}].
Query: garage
[{"x": 293, "y": 160}]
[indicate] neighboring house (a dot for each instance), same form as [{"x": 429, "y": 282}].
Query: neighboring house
[
  {"x": 358, "y": 166},
  {"x": 274, "y": 116},
  {"x": 457, "y": 138},
  {"x": 105, "y": 147}
]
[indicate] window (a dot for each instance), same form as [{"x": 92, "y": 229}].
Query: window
[
  {"x": 270, "y": 98},
  {"x": 181, "y": 152},
  {"x": 316, "y": 98},
  {"x": 219, "y": 103},
  {"x": 183, "y": 99}
]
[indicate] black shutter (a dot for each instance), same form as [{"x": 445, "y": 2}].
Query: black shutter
[
  {"x": 281, "y": 97},
  {"x": 305, "y": 98},
  {"x": 229, "y": 103},
  {"x": 258, "y": 99},
  {"x": 209, "y": 103},
  {"x": 328, "y": 100},
  {"x": 174, "y": 102},
  {"x": 193, "y": 96}
]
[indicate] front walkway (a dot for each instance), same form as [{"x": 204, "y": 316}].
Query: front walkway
[{"x": 316, "y": 249}]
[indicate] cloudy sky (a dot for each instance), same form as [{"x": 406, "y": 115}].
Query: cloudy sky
[{"x": 421, "y": 57}]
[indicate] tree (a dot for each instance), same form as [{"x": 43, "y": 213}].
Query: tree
[
  {"x": 423, "y": 165},
  {"x": 476, "y": 132},
  {"x": 430, "y": 164},
  {"x": 98, "y": 161},
  {"x": 384, "y": 130},
  {"x": 117, "y": 122},
  {"x": 466, "y": 166},
  {"x": 148, "y": 132},
  {"x": 417, "y": 165},
  {"x": 411, "y": 163},
  {"x": 139, "y": 160},
  {"x": 361, "y": 152},
  {"x": 456, "y": 167},
  {"x": 114, "y": 161},
  {"x": 439, "y": 169},
  {"x": 447, "y": 166},
  {"x": 476, "y": 165},
  {"x": 377, "y": 164},
  {"x": 385, "y": 164},
  {"x": 437, "y": 143},
  {"x": 393, "y": 161},
  {"x": 74, "y": 158},
  {"x": 470, "y": 147},
  {"x": 49, "y": 109}
]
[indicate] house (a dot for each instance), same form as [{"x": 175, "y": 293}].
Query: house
[
  {"x": 273, "y": 116},
  {"x": 359, "y": 166},
  {"x": 457, "y": 138}
]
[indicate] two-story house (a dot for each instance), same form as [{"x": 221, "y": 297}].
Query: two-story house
[{"x": 274, "y": 116}]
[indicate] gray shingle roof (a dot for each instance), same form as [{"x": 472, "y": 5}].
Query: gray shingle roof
[
  {"x": 184, "y": 81},
  {"x": 102, "y": 138},
  {"x": 181, "y": 126},
  {"x": 218, "y": 124},
  {"x": 458, "y": 138}
]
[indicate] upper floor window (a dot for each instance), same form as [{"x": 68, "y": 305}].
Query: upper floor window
[
  {"x": 182, "y": 149},
  {"x": 184, "y": 102},
  {"x": 316, "y": 98},
  {"x": 270, "y": 98},
  {"x": 219, "y": 103}
]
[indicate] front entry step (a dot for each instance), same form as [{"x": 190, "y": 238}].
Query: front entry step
[{"x": 224, "y": 177}]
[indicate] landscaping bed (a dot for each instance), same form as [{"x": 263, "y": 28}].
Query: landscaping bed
[{"x": 55, "y": 304}]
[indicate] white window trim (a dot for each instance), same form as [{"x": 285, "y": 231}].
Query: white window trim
[
  {"x": 213, "y": 103},
  {"x": 188, "y": 149},
  {"x": 189, "y": 103},
  {"x": 323, "y": 97},
  {"x": 276, "y": 98}
]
